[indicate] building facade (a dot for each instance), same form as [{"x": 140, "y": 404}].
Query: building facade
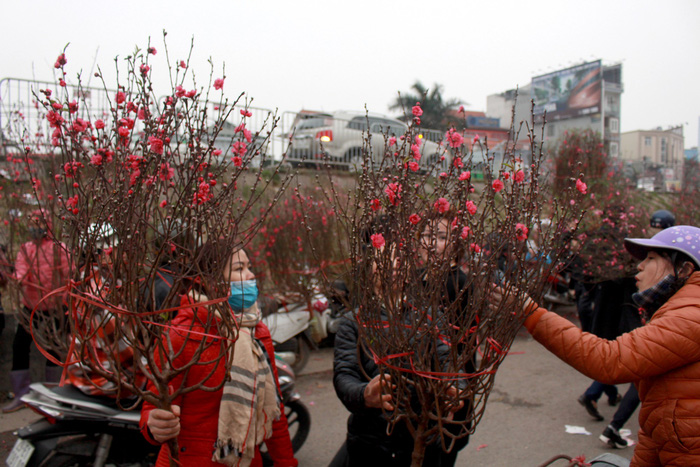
[
  {"x": 654, "y": 151},
  {"x": 586, "y": 96}
]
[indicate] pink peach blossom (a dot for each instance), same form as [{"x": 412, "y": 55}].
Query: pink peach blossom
[
  {"x": 393, "y": 192},
  {"x": 156, "y": 144},
  {"x": 415, "y": 150},
  {"x": 377, "y": 240},
  {"x": 441, "y": 205},
  {"x": 60, "y": 61},
  {"x": 581, "y": 186},
  {"x": 454, "y": 138},
  {"x": 521, "y": 232},
  {"x": 239, "y": 148},
  {"x": 471, "y": 207}
]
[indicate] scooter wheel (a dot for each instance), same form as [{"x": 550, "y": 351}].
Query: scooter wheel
[
  {"x": 299, "y": 423},
  {"x": 301, "y": 354}
]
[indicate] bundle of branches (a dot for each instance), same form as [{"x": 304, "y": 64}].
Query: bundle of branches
[
  {"x": 410, "y": 227},
  {"x": 298, "y": 244},
  {"x": 149, "y": 177}
]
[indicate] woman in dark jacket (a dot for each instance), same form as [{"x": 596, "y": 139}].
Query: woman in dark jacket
[{"x": 359, "y": 385}]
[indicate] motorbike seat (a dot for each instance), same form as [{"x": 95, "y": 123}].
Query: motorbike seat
[{"x": 71, "y": 392}]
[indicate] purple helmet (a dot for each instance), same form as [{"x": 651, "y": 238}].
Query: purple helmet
[{"x": 683, "y": 238}]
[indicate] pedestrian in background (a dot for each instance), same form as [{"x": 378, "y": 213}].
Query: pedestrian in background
[{"x": 42, "y": 265}]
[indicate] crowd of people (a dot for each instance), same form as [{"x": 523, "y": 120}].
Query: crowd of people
[{"x": 643, "y": 330}]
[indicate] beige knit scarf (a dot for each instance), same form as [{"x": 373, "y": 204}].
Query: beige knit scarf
[{"x": 249, "y": 402}]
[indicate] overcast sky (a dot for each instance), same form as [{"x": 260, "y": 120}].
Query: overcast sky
[{"x": 330, "y": 55}]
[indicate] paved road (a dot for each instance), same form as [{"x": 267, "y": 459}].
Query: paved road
[{"x": 533, "y": 398}]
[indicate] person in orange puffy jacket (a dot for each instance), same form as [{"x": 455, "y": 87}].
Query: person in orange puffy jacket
[
  {"x": 196, "y": 417},
  {"x": 661, "y": 358}
]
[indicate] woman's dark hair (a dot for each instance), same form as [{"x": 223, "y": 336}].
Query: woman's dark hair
[{"x": 677, "y": 259}]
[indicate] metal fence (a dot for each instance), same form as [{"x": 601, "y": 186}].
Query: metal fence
[{"x": 23, "y": 118}]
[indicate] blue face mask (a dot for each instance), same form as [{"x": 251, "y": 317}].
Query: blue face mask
[{"x": 243, "y": 294}]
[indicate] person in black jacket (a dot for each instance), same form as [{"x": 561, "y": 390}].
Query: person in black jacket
[
  {"x": 436, "y": 240},
  {"x": 359, "y": 385}
]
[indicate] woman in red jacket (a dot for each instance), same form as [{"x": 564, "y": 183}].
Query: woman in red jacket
[
  {"x": 208, "y": 431},
  {"x": 661, "y": 358}
]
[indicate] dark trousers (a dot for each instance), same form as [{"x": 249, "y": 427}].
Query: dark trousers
[
  {"x": 361, "y": 453},
  {"x": 597, "y": 389},
  {"x": 21, "y": 346},
  {"x": 628, "y": 404}
]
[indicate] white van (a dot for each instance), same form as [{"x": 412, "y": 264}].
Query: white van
[{"x": 339, "y": 137}]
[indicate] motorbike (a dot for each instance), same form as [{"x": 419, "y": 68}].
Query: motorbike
[
  {"x": 556, "y": 291},
  {"x": 296, "y": 328},
  {"x": 82, "y": 430},
  {"x": 78, "y": 429},
  {"x": 291, "y": 335},
  {"x": 298, "y": 415}
]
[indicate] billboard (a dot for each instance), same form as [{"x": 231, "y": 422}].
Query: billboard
[
  {"x": 569, "y": 93},
  {"x": 483, "y": 122}
]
